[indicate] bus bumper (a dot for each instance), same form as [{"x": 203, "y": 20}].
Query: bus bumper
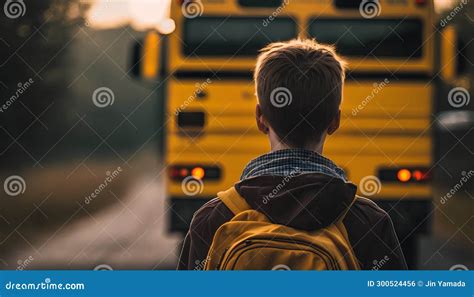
[
  {"x": 409, "y": 216},
  {"x": 182, "y": 210}
]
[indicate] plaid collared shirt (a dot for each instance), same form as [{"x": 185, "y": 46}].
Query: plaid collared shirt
[{"x": 290, "y": 162}]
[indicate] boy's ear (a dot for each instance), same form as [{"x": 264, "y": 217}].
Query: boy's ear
[
  {"x": 334, "y": 125},
  {"x": 261, "y": 123}
]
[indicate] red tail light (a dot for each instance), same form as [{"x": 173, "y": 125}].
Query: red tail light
[
  {"x": 405, "y": 175},
  {"x": 179, "y": 172}
]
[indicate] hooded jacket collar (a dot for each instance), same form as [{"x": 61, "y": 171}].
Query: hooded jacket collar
[{"x": 308, "y": 201}]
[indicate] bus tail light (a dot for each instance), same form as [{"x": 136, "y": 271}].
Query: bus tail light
[
  {"x": 405, "y": 175},
  {"x": 180, "y": 172},
  {"x": 198, "y": 172}
]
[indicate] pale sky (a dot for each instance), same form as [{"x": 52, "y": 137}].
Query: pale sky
[
  {"x": 141, "y": 14},
  {"x": 153, "y": 14}
]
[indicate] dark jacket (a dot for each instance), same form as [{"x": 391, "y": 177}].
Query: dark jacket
[{"x": 307, "y": 201}]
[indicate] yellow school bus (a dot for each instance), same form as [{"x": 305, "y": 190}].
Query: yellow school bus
[{"x": 204, "y": 73}]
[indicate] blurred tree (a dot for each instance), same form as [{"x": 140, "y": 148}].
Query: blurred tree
[{"x": 34, "y": 41}]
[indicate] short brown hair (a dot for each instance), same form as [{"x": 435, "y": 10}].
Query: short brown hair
[{"x": 299, "y": 88}]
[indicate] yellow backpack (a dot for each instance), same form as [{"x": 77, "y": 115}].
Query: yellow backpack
[{"x": 251, "y": 242}]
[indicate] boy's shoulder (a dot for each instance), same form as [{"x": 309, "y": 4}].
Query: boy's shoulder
[
  {"x": 370, "y": 208},
  {"x": 209, "y": 217}
]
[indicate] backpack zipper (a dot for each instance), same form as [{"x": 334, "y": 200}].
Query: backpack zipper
[{"x": 330, "y": 262}]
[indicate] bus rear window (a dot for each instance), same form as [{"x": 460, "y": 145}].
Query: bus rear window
[
  {"x": 236, "y": 36},
  {"x": 379, "y": 37}
]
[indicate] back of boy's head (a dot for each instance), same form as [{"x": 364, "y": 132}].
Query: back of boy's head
[{"x": 299, "y": 89}]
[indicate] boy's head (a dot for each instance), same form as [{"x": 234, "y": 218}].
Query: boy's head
[{"x": 299, "y": 89}]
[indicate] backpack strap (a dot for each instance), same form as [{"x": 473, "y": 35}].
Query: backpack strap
[{"x": 232, "y": 199}]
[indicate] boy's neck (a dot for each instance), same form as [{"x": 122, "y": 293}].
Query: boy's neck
[{"x": 277, "y": 146}]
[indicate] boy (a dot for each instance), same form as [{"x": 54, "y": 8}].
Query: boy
[{"x": 299, "y": 88}]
